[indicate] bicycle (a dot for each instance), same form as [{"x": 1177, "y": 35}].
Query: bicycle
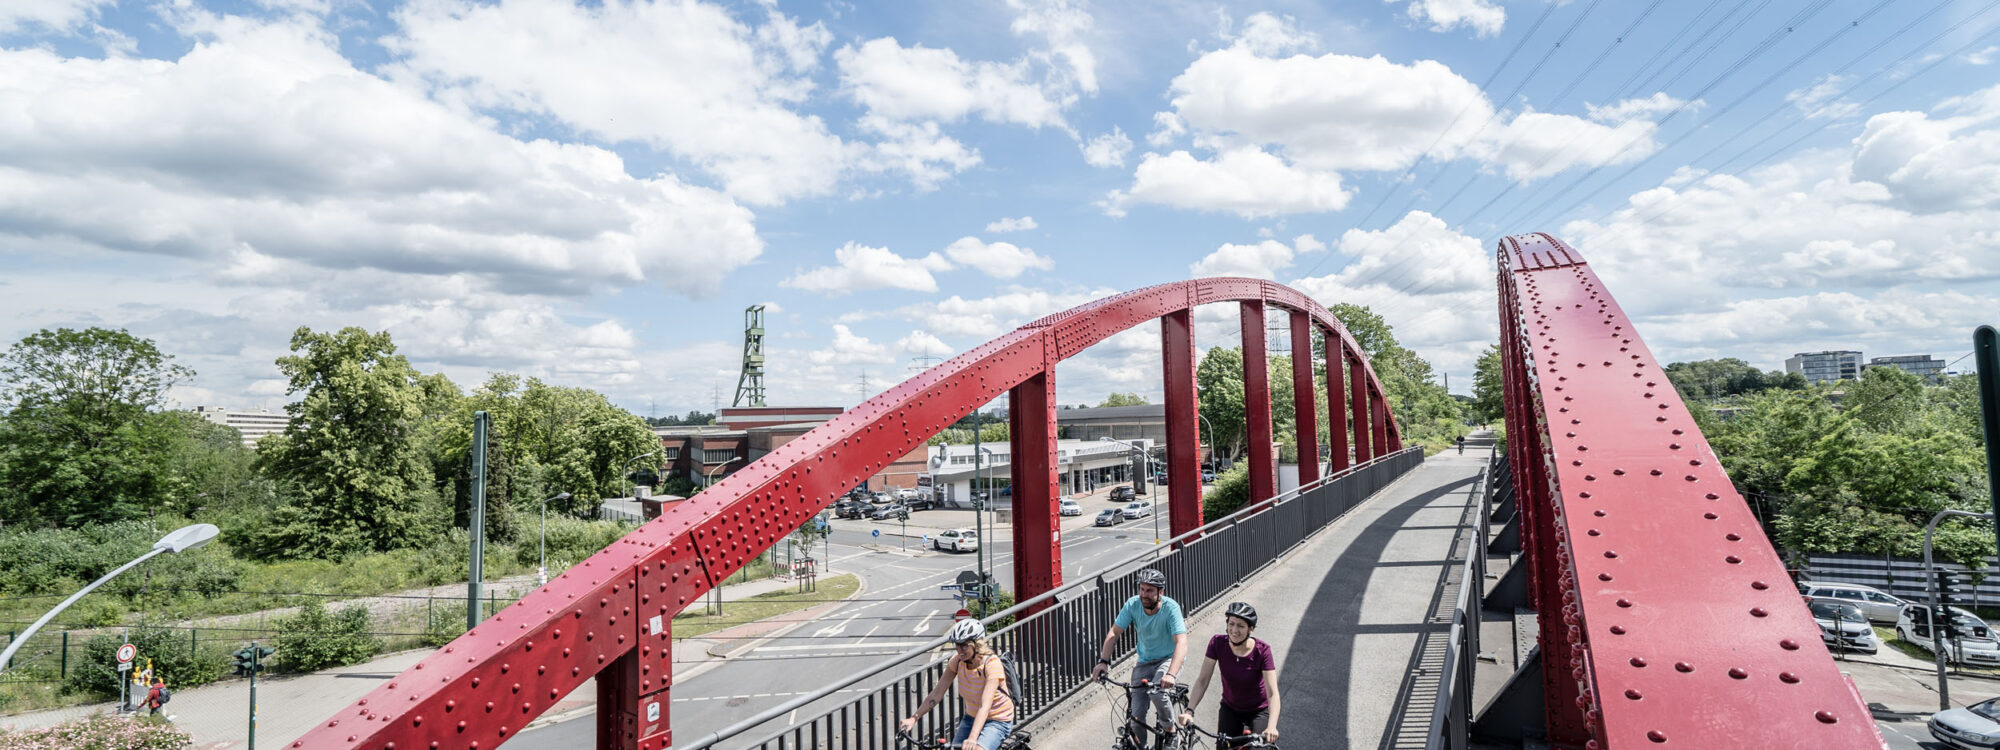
[
  {"x": 1245, "y": 741},
  {"x": 1015, "y": 741},
  {"x": 1164, "y": 737}
]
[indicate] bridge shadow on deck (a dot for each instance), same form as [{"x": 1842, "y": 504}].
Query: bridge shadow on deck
[{"x": 1317, "y": 666}]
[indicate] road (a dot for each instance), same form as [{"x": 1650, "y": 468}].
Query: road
[{"x": 901, "y": 606}]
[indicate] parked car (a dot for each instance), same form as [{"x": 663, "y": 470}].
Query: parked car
[
  {"x": 1974, "y": 644},
  {"x": 1111, "y": 517},
  {"x": 849, "y": 508},
  {"x": 956, "y": 540},
  {"x": 1123, "y": 494},
  {"x": 885, "y": 512},
  {"x": 920, "y": 503},
  {"x": 1138, "y": 509},
  {"x": 1878, "y": 606},
  {"x": 1843, "y": 627},
  {"x": 906, "y": 494},
  {"x": 1975, "y": 727},
  {"x": 1207, "y": 477},
  {"x": 879, "y": 498},
  {"x": 1069, "y": 508}
]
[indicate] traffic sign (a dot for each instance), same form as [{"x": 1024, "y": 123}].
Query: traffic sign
[
  {"x": 968, "y": 578},
  {"x": 877, "y": 532},
  {"x": 127, "y": 653},
  {"x": 960, "y": 615}
]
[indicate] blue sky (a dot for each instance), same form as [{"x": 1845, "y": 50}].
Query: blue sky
[{"x": 593, "y": 192}]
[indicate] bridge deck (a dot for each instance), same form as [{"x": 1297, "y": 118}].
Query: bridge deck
[{"x": 1352, "y": 615}]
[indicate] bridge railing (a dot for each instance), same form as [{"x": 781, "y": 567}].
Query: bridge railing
[
  {"x": 1056, "y": 648},
  {"x": 1451, "y": 707}
]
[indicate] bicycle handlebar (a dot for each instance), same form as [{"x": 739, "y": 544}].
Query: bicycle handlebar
[
  {"x": 1178, "y": 691},
  {"x": 920, "y": 744},
  {"x": 1247, "y": 741}
]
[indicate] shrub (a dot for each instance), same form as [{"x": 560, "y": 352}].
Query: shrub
[
  {"x": 99, "y": 733},
  {"x": 1231, "y": 491},
  {"x": 313, "y": 639},
  {"x": 444, "y": 624},
  {"x": 173, "y": 658},
  {"x": 570, "y": 541}
]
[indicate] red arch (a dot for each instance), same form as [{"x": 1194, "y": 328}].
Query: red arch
[
  {"x": 610, "y": 616},
  {"x": 1666, "y": 617}
]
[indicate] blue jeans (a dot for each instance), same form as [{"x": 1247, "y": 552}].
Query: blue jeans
[{"x": 990, "y": 735}]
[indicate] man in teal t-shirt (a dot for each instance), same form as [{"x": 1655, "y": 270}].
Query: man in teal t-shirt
[{"x": 1156, "y": 623}]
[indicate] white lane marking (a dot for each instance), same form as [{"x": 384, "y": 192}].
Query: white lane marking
[
  {"x": 871, "y": 631},
  {"x": 907, "y": 605},
  {"x": 828, "y": 646},
  {"x": 926, "y": 623},
  {"x": 835, "y": 628}
]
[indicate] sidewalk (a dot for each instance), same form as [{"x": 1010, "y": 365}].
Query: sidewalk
[
  {"x": 217, "y": 715},
  {"x": 1348, "y": 614}
]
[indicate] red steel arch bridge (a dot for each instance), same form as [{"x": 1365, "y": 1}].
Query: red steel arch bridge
[{"x": 1666, "y": 616}]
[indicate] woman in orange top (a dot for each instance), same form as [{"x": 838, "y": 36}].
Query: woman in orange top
[{"x": 981, "y": 681}]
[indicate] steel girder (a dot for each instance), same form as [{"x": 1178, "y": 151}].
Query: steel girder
[
  {"x": 1665, "y": 615},
  {"x": 611, "y": 615}
]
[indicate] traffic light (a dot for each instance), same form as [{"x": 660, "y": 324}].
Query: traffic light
[
  {"x": 1948, "y": 583},
  {"x": 902, "y": 514},
  {"x": 249, "y": 660}
]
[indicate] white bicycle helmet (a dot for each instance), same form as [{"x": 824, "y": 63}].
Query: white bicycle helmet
[{"x": 966, "y": 630}]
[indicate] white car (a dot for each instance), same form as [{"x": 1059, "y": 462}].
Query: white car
[
  {"x": 956, "y": 540},
  {"x": 1070, "y": 508},
  {"x": 1139, "y": 509},
  {"x": 1878, "y": 606},
  {"x": 1975, "y": 727},
  {"x": 1975, "y": 643},
  {"x": 1843, "y": 627},
  {"x": 906, "y": 494}
]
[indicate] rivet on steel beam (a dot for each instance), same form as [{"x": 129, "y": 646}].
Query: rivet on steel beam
[
  {"x": 1709, "y": 516},
  {"x": 1633, "y": 694},
  {"x": 1758, "y": 612},
  {"x": 1759, "y": 585},
  {"x": 1738, "y": 673},
  {"x": 1788, "y": 678},
  {"x": 1683, "y": 667},
  {"x": 1656, "y": 735}
]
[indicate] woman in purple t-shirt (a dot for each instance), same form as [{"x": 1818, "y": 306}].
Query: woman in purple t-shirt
[{"x": 1249, "y": 678}]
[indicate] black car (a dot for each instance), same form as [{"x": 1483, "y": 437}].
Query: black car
[
  {"x": 1123, "y": 494},
  {"x": 1111, "y": 517},
  {"x": 849, "y": 508}
]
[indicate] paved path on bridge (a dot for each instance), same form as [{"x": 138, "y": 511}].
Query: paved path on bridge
[{"x": 1348, "y": 614}]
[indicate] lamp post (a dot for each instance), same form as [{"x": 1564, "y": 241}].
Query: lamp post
[
  {"x": 979, "y": 510},
  {"x": 1937, "y": 623},
  {"x": 1211, "y": 438},
  {"x": 543, "y": 570},
  {"x": 708, "y": 477},
  {"x": 181, "y": 540},
  {"x": 624, "y": 473},
  {"x": 1149, "y": 471}
]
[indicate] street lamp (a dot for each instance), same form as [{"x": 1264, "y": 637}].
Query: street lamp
[
  {"x": 181, "y": 540},
  {"x": 1149, "y": 471},
  {"x": 1937, "y": 623},
  {"x": 979, "y": 506},
  {"x": 1211, "y": 439},
  {"x": 625, "y": 475},
  {"x": 543, "y": 569},
  {"x": 708, "y": 477}
]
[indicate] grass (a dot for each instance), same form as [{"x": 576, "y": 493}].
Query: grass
[{"x": 693, "y": 624}]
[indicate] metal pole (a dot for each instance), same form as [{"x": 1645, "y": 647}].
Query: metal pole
[
  {"x": 478, "y": 567},
  {"x": 1937, "y": 623},
  {"x": 542, "y": 569},
  {"x": 256, "y": 665},
  {"x": 7, "y": 657},
  {"x": 1986, "y": 355}
]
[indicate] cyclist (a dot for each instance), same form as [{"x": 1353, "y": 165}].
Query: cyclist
[
  {"x": 1156, "y": 621},
  {"x": 1249, "y": 678},
  {"x": 1461, "y": 445},
  {"x": 978, "y": 675}
]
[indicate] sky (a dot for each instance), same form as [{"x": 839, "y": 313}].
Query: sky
[{"x": 592, "y": 193}]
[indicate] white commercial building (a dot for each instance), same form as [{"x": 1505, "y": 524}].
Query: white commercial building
[
  {"x": 1083, "y": 465},
  {"x": 251, "y": 424}
]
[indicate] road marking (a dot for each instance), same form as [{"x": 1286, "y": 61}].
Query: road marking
[
  {"x": 926, "y": 623},
  {"x": 871, "y": 631},
  {"x": 826, "y": 646},
  {"x": 836, "y": 628},
  {"x": 907, "y": 605}
]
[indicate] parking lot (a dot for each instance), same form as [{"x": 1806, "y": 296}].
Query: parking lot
[{"x": 925, "y": 523}]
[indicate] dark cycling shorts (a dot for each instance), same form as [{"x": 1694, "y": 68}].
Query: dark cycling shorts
[{"x": 1230, "y": 722}]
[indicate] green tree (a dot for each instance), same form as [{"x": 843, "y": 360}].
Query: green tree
[
  {"x": 544, "y": 440},
  {"x": 351, "y": 452},
  {"x": 1486, "y": 387},
  {"x": 1219, "y": 381},
  {"x": 1123, "y": 399},
  {"x": 83, "y": 438},
  {"x": 1426, "y": 412},
  {"x": 1887, "y": 399}
]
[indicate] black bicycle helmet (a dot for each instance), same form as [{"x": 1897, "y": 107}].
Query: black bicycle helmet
[
  {"x": 1242, "y": 611},
  {"x": 1154, "y": 577}
]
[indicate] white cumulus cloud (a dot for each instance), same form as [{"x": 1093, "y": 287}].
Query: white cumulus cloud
[
  {"x": 1107, "y": 150},
  {"x": 1483, "y": 17},
  {"x": 1000, "y": 260},
  {"x": 1012, "y": 225},
  {"x": 860, "y": 268}
]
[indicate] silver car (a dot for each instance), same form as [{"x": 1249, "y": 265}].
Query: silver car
[
  {"x": 1878, "y": 606},
  {"x": 1843, "y": 627},
  {"x": 1975, "y": 727}
]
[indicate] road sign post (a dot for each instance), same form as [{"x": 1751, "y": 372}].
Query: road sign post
[{"x": 125, "y": 655}]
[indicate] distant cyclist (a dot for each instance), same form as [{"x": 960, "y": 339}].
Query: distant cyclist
[
  {"x": 1156, "y": 621},
  {"x": 1249, "y": 678},
  {"x": 1461, "y": 445},
  {"x": 988, "y": 711}
]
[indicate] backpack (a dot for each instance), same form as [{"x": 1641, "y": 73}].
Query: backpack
[{"x": 165, "y": 695}]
